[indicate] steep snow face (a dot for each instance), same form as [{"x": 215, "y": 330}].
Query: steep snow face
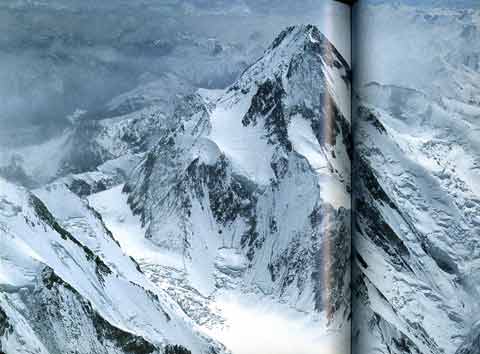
[
  {"x": 240, "y": 194},
  {"x": 308, "y": 66},
  {"x": 416, "y": 240},
  {"x": 417, "y": 191},
  {"x": 249, "y": 187},
  {"x": 66, "y": 283},
  {"x": 296, "y": 94}
]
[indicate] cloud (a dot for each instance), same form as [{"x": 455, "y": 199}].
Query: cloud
[{"x": 57, "y": 56}]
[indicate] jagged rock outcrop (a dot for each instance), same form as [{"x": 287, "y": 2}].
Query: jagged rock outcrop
[
  {"x": 67, "y": 286},
  {"x": 260, "y": 170},
  {"x": 415, "y": 226},
  {"x": 244, "y": 190},
  {"x": 416, "y": 195}
]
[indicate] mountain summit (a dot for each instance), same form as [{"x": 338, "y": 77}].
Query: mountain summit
[
  {"x": 251, "y": 185},
  {"x": 244, "y": 194}
]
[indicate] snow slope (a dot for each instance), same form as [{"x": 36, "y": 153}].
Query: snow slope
[
  {"x": 66, "y": 283},
  {"x": 231, "y": 315},
  {"x": 249, "y": 187},
  {"x": 173, "y": 226},
  {"x": 417, "y": 142}
]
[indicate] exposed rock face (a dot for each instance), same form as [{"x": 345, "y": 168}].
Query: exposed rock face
[
  {"x": 415, "y": 225},
  {"x": 62, "y": 317},
  {"x": 233, "y": 172},
  {"x": 68, "y": 287},
  {"x": 128, "y": 125},
  {"x": 416, "y": 196},
  {"x": 245, "y": 189}
]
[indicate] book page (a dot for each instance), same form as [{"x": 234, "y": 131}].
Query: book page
[
  {"x": 416, "y": 177},
  {"x": 175, "y": 177}
]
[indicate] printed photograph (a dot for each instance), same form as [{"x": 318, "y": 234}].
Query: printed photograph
[
  {"x": 239, "y": 177},
  {"x": 175, "y": 177}
]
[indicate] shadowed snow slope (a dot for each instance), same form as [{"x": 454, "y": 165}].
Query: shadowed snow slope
[
  {"x": 239, "y": 210},
  {"x": 417, "y": 196},
  {"x": 250, "y": 187},
  {"x": 66, "y": 284}
]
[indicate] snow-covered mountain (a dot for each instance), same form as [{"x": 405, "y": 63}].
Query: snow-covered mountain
[
  {"x": 126, "y": 126},
  {"x": 239, "y": 203},
  {"x": 417, "y": 223},
  {"x": 417, "y": 186},
  {"x": 67, "y": 285},
  {"x": 259, "y": 172}
]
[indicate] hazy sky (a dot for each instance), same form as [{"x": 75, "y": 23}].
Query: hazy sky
[
  {"x": 57, "y": 56},
  {"x": 413, "y": 46}
]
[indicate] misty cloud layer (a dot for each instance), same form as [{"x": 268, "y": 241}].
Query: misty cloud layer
[{"x": 59, "y": 56}]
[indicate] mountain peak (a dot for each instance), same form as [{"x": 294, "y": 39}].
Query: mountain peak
[
  {"x": 308, "y": 38},
  {"x": 308, "y": 32},
  {"x": 303, "y": 63}
]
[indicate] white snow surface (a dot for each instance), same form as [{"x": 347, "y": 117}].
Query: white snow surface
[
  {"x": 421, "y": 143},
  {"x": 231, "y": 215},
  {"x": 248, "y": 320},
  {"x": 121, "y": 297},
  {"x": 246, "y": 147}
]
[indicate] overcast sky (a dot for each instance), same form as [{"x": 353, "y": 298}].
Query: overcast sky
[{"x": 57, "y": 56}]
